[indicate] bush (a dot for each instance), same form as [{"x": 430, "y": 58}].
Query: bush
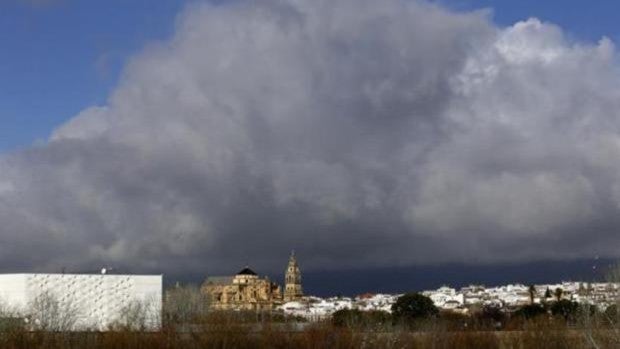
[
  {"x": 493, "y": 313},
  {"x": 531, "y": 311},
  {"x": 346, "y": 318},
  {"x": 611, "y": 314},
  {"x": 377, "y": 318},
  {"x": 453, "y": 321},
  {"x": 354, "y": 318},
  {"x": 490, "y": 317},
  {"x": 413, "y": 306},
  {"x": 565, "y": 308}
]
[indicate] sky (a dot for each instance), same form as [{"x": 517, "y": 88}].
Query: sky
[
  {"x": 60, "y": 56},
  {"x": 169, "y": 136}
]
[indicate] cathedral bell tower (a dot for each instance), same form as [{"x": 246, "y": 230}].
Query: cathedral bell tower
[{"x": 292, "y": 280}]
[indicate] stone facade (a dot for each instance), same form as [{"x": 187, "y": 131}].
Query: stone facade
[
  {"x": 244, "y": 291},
  {"x": 247, "y": 291}
]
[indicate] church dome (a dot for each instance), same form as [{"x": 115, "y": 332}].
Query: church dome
[{"x": 246, "y": 271}]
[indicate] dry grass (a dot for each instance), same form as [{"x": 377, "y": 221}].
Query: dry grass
[
  {"x": 313, "y": 336},
  {"x": 189, "y": 327}
]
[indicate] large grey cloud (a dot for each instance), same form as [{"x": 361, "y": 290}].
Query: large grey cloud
[{"x": 357, "y": 132}]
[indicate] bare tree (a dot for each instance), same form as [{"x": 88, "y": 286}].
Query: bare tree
[
  {"x": 49, "y": 314},
  {"x": 185, "y": 304},
  {"x": 603, "y": 325},
  {"x": 139, "y": 315}
]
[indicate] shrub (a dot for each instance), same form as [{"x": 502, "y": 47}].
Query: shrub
[
  {"x": 611, "y": 314},
  {"x": 413, "y": 306},
  {"x": 354, "y": 318},
  {"x": 531, "y": 311},
  {"x": 346, "y": 317},
  {"x": 490, "y": 317},
  {"x": 565, "y": 308}
]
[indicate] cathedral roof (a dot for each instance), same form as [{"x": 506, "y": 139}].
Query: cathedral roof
[
  {"x": 246, "y": 271},
  {"x": 219, "y": 280}
]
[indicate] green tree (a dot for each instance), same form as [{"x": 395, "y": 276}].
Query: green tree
[
  {"x": 558, "y": 294},
  {"x": 413, "y": 306},
  {"x": 547, "y": 293},
  {"x": 532, "y": 291}
]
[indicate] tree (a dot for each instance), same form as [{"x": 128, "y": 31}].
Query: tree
[
  {"x": 48, "y": 313},
  {"x": 532, "y": 291},
  {"x": 547, "y": 293},
  {"x": 413, "y": 306},
  {"x": 558, "y": 294},
  {"x": 185, "y": 304},
  {"x": 138, "y": 315},
  {"x": 610, "y": 316}
]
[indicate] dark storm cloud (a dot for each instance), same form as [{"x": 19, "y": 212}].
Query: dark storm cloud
[{"x": 357, "y": 132}]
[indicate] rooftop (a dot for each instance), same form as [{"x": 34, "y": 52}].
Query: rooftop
[{"x": 246, "y": 271}]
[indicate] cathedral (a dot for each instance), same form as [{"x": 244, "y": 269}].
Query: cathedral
[{"x": 247, "y": 291}]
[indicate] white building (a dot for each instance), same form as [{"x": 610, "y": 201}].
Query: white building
[{"x": 82, "y": 301}]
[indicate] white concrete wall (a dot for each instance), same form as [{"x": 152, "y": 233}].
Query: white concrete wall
[
  {"x": 13, "y": 293},
  {"x": 94, "y": 301}
]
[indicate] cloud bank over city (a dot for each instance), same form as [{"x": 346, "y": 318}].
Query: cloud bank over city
[{"x": 359, "y": 133}]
